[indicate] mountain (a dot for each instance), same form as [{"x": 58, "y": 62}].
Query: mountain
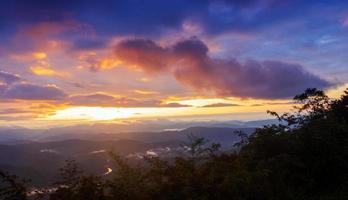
[
  {"x": 16, "y": 135},
  {"x": 222, "y": 135},
  {"x": 42, "y": 160},
  {"x": 108, "y": 131},
  {"x": 43, "y": 157}
]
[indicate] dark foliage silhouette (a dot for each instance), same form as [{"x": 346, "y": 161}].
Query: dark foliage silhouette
[
  {"x": 303, "y": 157},
  {"x": 11, "y": 187}
]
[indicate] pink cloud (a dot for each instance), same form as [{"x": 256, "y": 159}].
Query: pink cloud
[
  {"x": 190, "y": 64},
  {"x": 345, "y": 22}
]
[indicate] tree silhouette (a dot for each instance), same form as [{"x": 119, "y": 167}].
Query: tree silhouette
[
  {"x": 305, "y": 156},
  {"x": 11, "y": 188}
]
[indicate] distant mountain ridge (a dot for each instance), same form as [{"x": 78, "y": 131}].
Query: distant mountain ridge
[
  {"x": 19, "y": 135},
  {"x": 42, "y": 158}
]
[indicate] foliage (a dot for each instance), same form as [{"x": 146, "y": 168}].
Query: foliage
[
  {"x": 11, "y": 188},
  {"x": 303, "y": 157},
  {"x": 74, "y": 185}
]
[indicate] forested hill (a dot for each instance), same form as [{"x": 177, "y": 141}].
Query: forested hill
[{"x": 304, "y": 157}]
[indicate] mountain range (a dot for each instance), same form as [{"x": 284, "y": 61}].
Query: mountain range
[{"x": 38, "y": 154}]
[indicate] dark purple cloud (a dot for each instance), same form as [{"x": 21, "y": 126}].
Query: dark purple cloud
[
  {"x": 189, "y": 62},
  {"x": 30, "y": 91},
  {"x": 157, "y": 17},
  {"x": 89, "y": 44},
  {"x": 8, "y": 78},
  {"x": 2, "y": 89},
  {"x": 147, "y": 53},
  {"x": 13, "y": 87}
]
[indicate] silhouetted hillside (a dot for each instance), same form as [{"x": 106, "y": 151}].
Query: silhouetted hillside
[
  {"x": 19, "y": 135},
  {"x": 304, "y": 157}
]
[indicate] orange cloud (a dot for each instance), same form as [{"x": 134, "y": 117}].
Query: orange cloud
[
  {"x": 29, "y": 56},
  {"x": 43, "y": 68},
  {"x": 96, "y": 63},
  {"x": 144, "y": 80},
  {"x": 108, "y": 63},
  {"x": 39, "y": 55},
  {"x": 44, "y": 71},
  {"x": 145, "y": 92}
]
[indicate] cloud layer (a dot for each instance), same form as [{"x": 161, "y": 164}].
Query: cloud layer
[
  {"x": 8, "y": 78},
  {"x": 15, "y": 88},
  {"x": 215, "y": 105},
  {"x": 107, "y": 100},
  {"x": 30, "y": 91},
  {"x": 189, "y": 62}
]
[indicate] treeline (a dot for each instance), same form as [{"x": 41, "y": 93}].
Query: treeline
[{"x": 303, "y": 157}]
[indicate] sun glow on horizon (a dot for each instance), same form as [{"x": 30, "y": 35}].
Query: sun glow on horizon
[
  {"x": 112, "y": 113},
  {"x": 92, "y": 113},
  {"x": 194, "y": 107}
]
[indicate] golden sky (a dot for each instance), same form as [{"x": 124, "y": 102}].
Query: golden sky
[{"x": 71, "y": 64}]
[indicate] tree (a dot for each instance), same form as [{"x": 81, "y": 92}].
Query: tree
[
  {"x": 305, "y": 156},
  {"x": 74, "y": 185},
  {"x": 11, "y": 188}
]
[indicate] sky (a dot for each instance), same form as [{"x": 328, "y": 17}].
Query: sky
[{"x": 74, "y": 62}]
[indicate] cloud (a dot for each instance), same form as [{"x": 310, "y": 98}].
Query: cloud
[
  {"x": 29, "y": 91},
  {"x": 89, "y": 44},
  {"x": 142, "y": 52},
  {"x": 13, "y": 111},
  {"x": 47, "y": 71},
  {"x": 144, "y": 92},
  {"x": 8, "y": 78},
  {"x": 97, "y": 99},
  {"x": 108, "y": 18},
  {"x": 2, "y": 88},
  {"x": 73, "y": 20},
  {"x": 214, "y": 105},
  {"x": 106, "y": 100},
  {"x": 16, "y": 118},
  {"x": 13, "y": 87},
  {"x": 95, "y": 63},
  {"x": 174, "y": 105},
  {"x": 190, "y": 64},
  {"x": 345, "y": 22},
  {"x": 257, "y": 104}
]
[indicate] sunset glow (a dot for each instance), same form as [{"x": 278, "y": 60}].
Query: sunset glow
[
  {"x": 92, "y": 113},
  {"x": 173, "y": 99},
  {"x": 217, "y": 60}
]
